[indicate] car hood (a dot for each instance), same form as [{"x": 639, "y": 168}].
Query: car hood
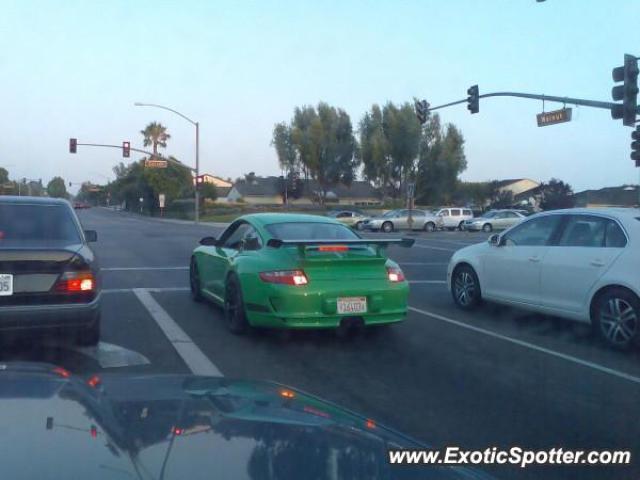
[{"x": 56, "y": 425}]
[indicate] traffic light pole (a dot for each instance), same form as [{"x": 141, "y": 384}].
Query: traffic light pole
[
  {"x": 550, "y": 98},
  {"x": 151, "y": 154}
]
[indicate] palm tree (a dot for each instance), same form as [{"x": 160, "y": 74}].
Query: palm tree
[{"x": 155, "y": 134}]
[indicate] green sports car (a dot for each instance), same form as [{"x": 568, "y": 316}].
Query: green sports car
[{"x": 298, "y": 271}]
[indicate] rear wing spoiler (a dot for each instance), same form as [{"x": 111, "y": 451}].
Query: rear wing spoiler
[{"x": 403, "y": 242}]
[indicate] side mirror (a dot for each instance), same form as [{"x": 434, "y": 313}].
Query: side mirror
[
  {"x": 91, "y": 235},
  {"x": 494, "y": 240},
  {"x": 208, "y": 241}
]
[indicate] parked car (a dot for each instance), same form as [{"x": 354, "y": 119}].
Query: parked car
[
  {"x": 494, "y": 220},
  {"x": 81, "y": 205},
  {"x": 351, "y": 218},
  {"x": 48, "y": 274},
  {"x": 454, "y": 217},
  {"x": 580, "y": 264},
  {"x": 399, "y": 220}
]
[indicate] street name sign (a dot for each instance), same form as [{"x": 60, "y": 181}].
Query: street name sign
[
  {"x": 556, "y": 116},
  {"x": 155, "y": 163}
]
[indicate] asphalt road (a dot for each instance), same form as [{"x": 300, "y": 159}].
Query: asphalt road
[{"x": 494, "y": 377}]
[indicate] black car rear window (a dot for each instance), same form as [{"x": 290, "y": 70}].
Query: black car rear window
[
  {"x": 37, "y": 223},
  {"x": 310, "y": 231}
]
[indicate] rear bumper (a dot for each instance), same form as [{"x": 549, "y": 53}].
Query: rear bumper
[
  {"x": 316, "y": 307},
  {"x": 43, "y": 317}
]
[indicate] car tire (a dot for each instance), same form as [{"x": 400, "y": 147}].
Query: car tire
[
  {"x": 89, "y": 337},
  {"x": 461, "y": 226},
  {"x": 429, "y": 227},
  {"x": 234, "y": 311},
  {"x": 487, "y": 228},
  {"x": 387, "y": 227},
  {"x": 194, "y": 281},
  {"x": 616, "y": 318},
  {"x": 465, "y": 287},
  {"x": 359, "y": 225}
]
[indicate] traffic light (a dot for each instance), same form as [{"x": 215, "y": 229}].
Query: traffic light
[
  {"x": 126, "y": 149},
  {"x": 635, "y": 146},
  {"x": 473, "y": 100},
  {"x": 627, "y": 92},
  {"x": 422, "y": 110},
  {"x": 199, "y": 181},
  {"x": 73, "y": 145}
]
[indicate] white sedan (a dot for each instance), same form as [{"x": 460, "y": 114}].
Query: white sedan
[{"x": 580, "y": 264}]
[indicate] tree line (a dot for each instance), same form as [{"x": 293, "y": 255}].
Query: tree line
[
  {"x": 390, "y": 149},
  {"x": 56, "y": 187}
]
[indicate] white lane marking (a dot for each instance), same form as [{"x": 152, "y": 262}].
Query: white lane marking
[
  {"x": 423, "y": 263},
  {"x": 197, "y": 361},
  {"x": 427, "y": 281},
  {"x": 126, "y": 269},
  {"x": 150, "y": 289},
  {"x": 109, "y": 355},
  {"x": 419, "y": 245},
  {"x": 531, "y": 346}
]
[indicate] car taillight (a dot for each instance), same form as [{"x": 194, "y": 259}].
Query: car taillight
[
  {"x": 285, "y": 277},
  {"x": 333, "y": 248},
  {"x": 395, "y": 275},
  {"x": 75, "y": 282}
]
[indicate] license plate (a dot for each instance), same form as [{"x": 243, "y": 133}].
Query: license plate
[
  {"x": 352, "y": 305},
  {"x": 6, "y": 284}
]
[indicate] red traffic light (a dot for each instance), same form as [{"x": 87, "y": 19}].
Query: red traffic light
[
  {"x": 200, "y": 179},
  {"x": 73, "y": 145},
  {"x": 126, "y": 149}
]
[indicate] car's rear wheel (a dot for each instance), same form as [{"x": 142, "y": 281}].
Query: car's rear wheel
[
  {"x": 465, "y": 287},
  {"x": 359, "y": 226},
  {"x": 387, "y": 227},
  {"x": 616, "y": 318},
  {"x": 89, "y": 337},
  {"x": 194, "y": 281},
  {"x": 487, "y": 228},
  {"x": 234, "y": 310},
  {"x": 429, "y": 227},
  {"x": 461, "y": 226}
]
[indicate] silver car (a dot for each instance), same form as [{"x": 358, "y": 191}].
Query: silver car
[
  {"x": 399, "y": 220},
  {"x": 494, "y": 220}
]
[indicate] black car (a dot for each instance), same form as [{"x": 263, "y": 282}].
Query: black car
[
  {"x": 113, "y": 426},
  {"x": 49, "y": 280}
]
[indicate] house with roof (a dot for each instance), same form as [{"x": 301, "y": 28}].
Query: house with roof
[
  {"x": 268, "y": 191},
  {"x": 622, "y": 196}
]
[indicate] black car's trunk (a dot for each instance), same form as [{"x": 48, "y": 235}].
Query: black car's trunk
[{"x": 36, "y": 266}]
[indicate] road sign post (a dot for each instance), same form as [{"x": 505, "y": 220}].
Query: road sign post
[
  {"x": 411, "y": 187},
  {"x": 161, "y": 199}
]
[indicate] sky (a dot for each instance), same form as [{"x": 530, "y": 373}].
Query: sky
[{"x": 75, "y": 69}]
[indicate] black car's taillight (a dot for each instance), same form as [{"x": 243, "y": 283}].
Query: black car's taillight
[{"x": 76, "y": 282}]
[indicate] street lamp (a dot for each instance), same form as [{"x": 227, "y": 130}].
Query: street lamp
[{"x": 195, "y": 124}]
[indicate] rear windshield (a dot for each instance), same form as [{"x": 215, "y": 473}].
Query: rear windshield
[
  {"x": 310, "y": 231},
  {"x": 37, "y": 223}
]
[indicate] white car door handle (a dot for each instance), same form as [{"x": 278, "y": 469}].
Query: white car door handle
[
  {"x": 534, "y": 259},
  {"x": 597, "y": 263}
]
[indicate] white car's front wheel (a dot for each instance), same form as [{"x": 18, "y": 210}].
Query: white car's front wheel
[
  {"x": 616, "y": 317},
  {"x": 465, "y": 287}
]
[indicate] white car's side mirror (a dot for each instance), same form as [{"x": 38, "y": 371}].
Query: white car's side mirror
[{"x": 494, "y": 240}]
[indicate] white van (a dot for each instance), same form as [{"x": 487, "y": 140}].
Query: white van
[{"x": 454, "y": 217}]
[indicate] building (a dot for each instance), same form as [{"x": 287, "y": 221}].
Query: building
[
  {"x": 216, "y": 181},
  {"x": 517, "y": 186},
  {"x": 268, "y": 191},
  {"x": 622, "y": 196}
]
